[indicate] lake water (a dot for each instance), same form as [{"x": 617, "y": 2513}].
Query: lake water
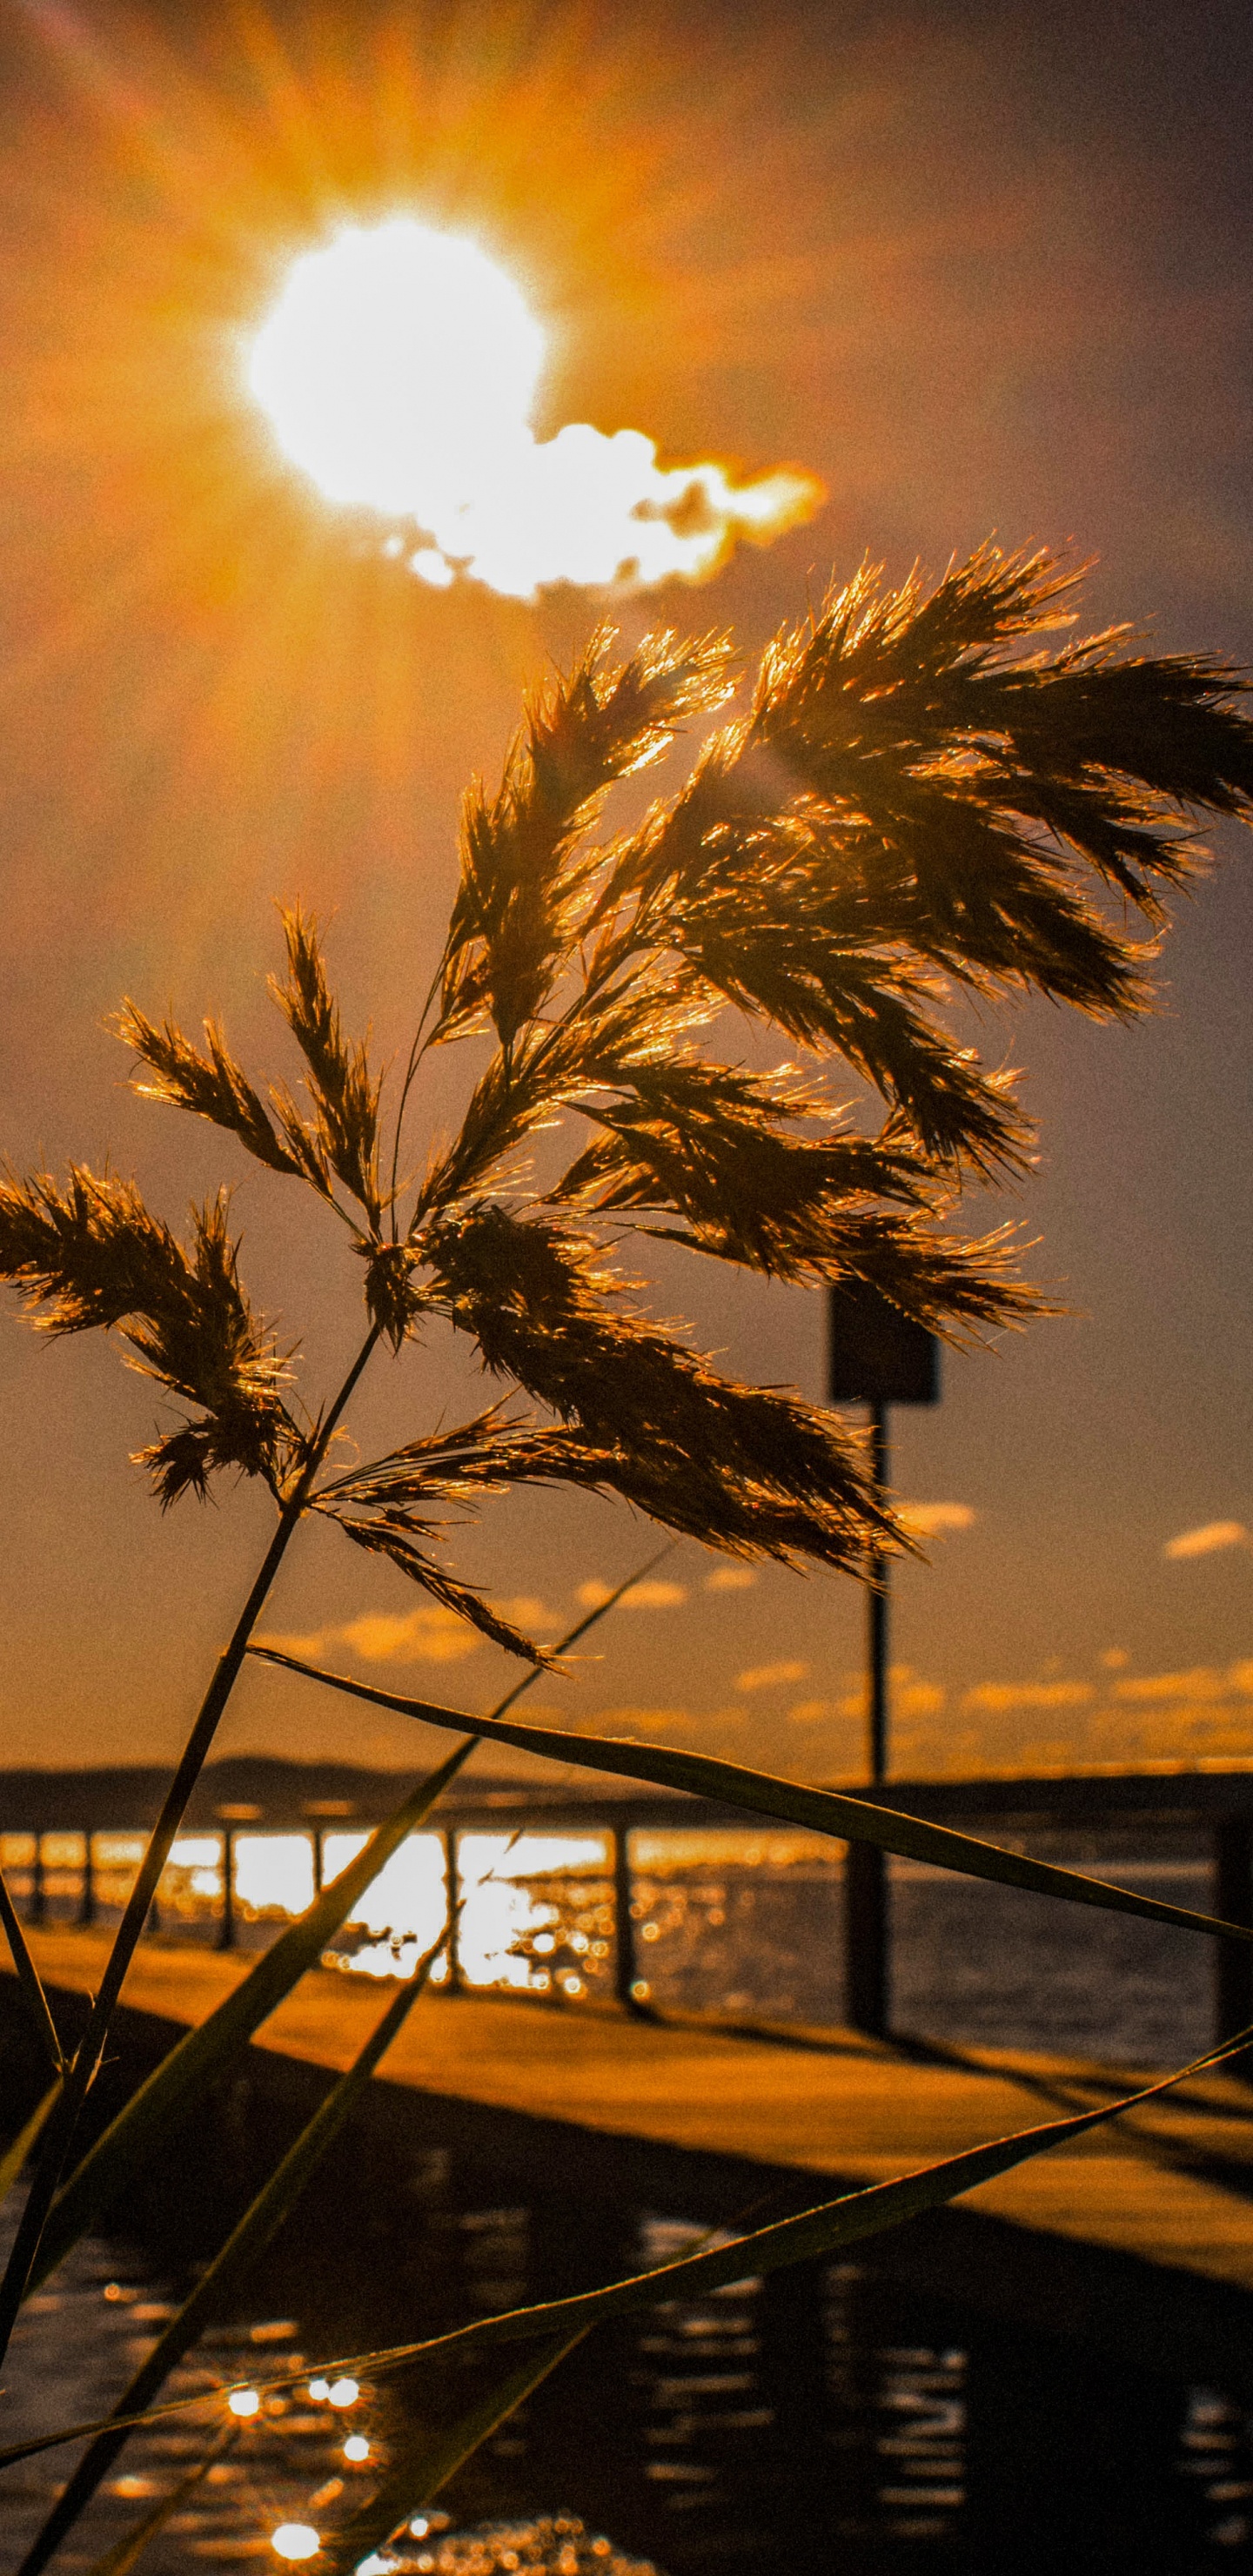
[
  {"x": 738, "y": 1922},
  {"x": 831, "y": 2418},
  {"x": 828, "y": 2418}
]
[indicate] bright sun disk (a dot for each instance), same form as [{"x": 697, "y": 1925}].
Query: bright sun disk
[
  {"x": 398, "y": 365},
  {"x": 398, "y": 370}
]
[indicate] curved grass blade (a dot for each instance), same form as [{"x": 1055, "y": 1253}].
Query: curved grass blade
[
  {"x": 246, "y": 2242},
  {"x": 824, "y": 1811},
  {"x": 849, "y": 2220},
  {"x": 420, "y": 2468},
  {"x": 18, "y": 2149},
  {"x": 30, "y": 1981},
  {"x": 56, "y": 2145},
  {"x": 199, "y": 2058},
  {"x": 196, "y": 2060},
  {"x": 127, "y": 2552}
]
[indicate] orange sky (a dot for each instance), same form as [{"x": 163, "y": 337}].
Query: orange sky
[{"x": 974, "y": 272}]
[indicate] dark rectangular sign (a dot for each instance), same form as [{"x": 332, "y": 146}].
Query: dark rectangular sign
[{"x": 876, "y": 1355}]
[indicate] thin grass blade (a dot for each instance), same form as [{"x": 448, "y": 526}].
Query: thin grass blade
[
  {"x": 57, "y": 2143},
  {"x": 848, "y": 2220},
  {"x": 219, "y": 2284},
  {"x": 421, "y": 2467},
  {"x": 196, "y": 2061},
  {"x": 127, "y": 2552},
  {"x": 823, "y": 1811},
  {"x": 18, "y": 2149},
  {"x": 31, "y": 1982}
]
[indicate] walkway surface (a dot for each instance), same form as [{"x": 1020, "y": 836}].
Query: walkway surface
[{"x": 1172, "y": 2184}]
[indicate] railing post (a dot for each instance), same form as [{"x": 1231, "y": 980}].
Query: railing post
[
  {"x": 87, "y": 1884},
  {"x": 865, "y": 1939},
  {"x": 318, "y": 1856},
  {"x": 625, "y": 1967},
  {"x": 226, "y": 1927},
  {"x": 452, "y": 1884},
  {"x": 1233, "y": 1960},
  {"x": 38, "y": 1889}
]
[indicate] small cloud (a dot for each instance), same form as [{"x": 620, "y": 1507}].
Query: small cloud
[
  {"x": 730, "y": 1578},
  {"x": 431, "y": 1635},
  {"x": 308, "y": 1643},
  {"x": 935, "y": 1520},
  {"x": 647, "y": 1725},
  {"x": 1208, "y": 1540},
  {"x": 998, "y": 1699},
  {"x": 920, "y": 1699},
  {"x": 527, "y": 1612},
  {"x": 1201, "y": 1683},
  {"x": 855, "y": 1703},
  {"x": 909, "y": 1696},
  {"x": 769, "y": 1676},
  {"x": 642, "y": 1596},
  {"x": 1114, "y": 1658},
  {"x": 811, "y": 1712}
]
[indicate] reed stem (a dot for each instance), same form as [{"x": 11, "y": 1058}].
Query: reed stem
[{"x": 59, "y": 2134}]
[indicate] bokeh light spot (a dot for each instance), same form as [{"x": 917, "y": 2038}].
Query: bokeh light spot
[{"x": 295, "y": 2540}]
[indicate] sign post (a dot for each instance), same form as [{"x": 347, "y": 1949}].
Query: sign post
[{"x": 876, "y": 1356}]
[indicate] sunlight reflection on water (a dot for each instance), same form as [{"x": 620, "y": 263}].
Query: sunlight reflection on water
[
  {"x": 747, "y": 1922},
  {"x": 823, "y": 2418}
]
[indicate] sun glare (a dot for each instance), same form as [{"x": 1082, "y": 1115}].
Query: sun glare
[{"x": 398, "y": 369}]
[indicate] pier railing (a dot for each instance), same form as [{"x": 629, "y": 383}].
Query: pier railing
[{"x": 53, "y": 1808}]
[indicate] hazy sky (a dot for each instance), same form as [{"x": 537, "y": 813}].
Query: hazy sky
[{"x": 980, "y": 268}]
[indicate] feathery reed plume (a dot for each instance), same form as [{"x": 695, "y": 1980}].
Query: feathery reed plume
[
  {"x": 93, "y": 1255},
  {"x": 212, "y": 1086},
  {"x": 343, "y": 1135},
  {"x": 523, "y": 880},
  {"x": 910, "y": 802}
]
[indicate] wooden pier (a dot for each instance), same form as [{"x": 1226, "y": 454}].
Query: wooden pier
[
  {"x": 1170, "y": 2185},
  {"x": 241, "y": 1794}
]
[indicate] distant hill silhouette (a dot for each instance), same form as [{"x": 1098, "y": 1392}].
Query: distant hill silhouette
[{"x": 278, "y": 1793}]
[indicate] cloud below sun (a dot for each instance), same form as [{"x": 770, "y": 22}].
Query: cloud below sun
[{"x": 398, "y": 369}]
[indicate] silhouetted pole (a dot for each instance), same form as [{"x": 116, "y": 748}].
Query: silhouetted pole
[
  {"x": 878, "y": 1610},
  {"x": 876, "y": 1356},
  {"x": 866, "y": 1927},
  {"x": 1233, "y": 1960}
]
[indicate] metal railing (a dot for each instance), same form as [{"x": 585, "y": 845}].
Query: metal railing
[{"x": 1215, "y": 1801}]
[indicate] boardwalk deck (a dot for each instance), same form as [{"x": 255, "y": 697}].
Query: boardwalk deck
[{"x": 1171, "y": 2185}]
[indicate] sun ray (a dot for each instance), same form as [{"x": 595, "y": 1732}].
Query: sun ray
[{"x": 174, "y": 582}]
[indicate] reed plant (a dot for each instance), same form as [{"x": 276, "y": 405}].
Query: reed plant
[{"x": 915, "y": 798}]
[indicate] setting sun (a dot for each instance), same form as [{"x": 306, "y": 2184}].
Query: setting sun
[{"x": 398, "y": 369}]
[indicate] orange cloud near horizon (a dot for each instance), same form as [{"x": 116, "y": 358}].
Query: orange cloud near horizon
[{"x": 1211, "y": 1539}]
